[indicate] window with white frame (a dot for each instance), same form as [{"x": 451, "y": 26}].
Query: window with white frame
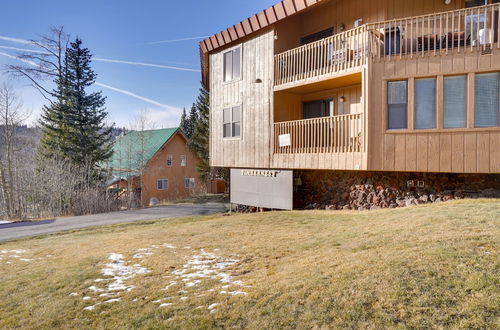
[
  {"x": 170, "y": 160},
  {"x": 162, "y": 184},
  {"x": 189, "y": 182},
  {"x": 232, "y": 122},
  {"x": 232, "y": 64},
  {"x": 397, "y": 104},
  {"x": 183, "y": 160}
]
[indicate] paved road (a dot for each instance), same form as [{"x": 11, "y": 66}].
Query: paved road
[{"x": 14, "y": 231}]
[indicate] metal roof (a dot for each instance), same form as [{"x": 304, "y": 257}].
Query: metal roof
[{"x": 136, "y": 148}]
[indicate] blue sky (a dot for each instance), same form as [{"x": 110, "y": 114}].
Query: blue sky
[{"x": 131, "y": 31}]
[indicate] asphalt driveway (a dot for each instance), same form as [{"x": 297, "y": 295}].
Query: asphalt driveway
[{"x": 18, "y": 230}]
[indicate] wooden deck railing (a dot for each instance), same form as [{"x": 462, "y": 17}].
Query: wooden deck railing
[
  {"x": 452, "y": 31},
  {"x": 433, "y": 34},
  {"x": 340, "y": 52},
  {"x": 320, "y": 135}
]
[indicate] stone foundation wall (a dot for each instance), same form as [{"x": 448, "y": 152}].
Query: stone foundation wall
[{"x": 335, "y": 190}]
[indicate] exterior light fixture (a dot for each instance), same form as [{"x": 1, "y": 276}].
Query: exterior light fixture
[
  {"x": 447, "y": 2},
  {"x": 341, "y": 99}
]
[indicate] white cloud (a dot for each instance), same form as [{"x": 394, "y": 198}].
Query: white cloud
[{"x": 175, "y": 40}]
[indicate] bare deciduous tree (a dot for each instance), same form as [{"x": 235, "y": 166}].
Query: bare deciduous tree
[
  {"x": 46, "y": 62},
  {"x": 12, "y": 115}
]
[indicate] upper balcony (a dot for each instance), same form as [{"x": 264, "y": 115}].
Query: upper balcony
[
  {"x": 464, "y": 30},
  {"x": 340, "y": 54}
]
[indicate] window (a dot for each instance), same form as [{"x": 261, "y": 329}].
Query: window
[
  {"x": 317, "y": 109},
  {"x": 183, "y": 160},
  {"x": 397, "y": 104},
  {"x": 162, "y": 184},
  {"x": 189, "y": 182},
  {"x": 232, "y": 64},
  {"x": 487, "y": 100},
  {"x": 316, "y": 36},
  {"x": 169, "y": 160},
  {"x": 475, "y": 3},
  {"x": 232, "y": 122},
  {"x": 455, "y": 102},
  {"x": 425, "y": 103}
]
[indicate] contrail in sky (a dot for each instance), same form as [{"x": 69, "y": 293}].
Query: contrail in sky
[
  {"x": 161, "y": 66},
  {"x": 174, "y": 40},
  {"x": 122, "y": 91},
  {"x": 16, "y": 40},
  {"x": 142, "y": 98},
  {"x": 19, "y": 59}
]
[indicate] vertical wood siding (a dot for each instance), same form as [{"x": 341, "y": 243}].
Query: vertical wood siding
[
  {"x": 253, "y": 148},
  {"x": 467, "y": 150}
]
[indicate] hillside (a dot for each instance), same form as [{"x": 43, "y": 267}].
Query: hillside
[{"x": 431, "y": 266}]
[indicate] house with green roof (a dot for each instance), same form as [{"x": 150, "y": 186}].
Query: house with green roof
[{"x": 153, "y": 166}]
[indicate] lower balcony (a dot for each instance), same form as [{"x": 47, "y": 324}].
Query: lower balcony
[{"x": 336, "y": 134}]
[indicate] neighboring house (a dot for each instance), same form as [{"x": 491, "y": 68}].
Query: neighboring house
[
  {"x": 154, "y": 164},
  {"x": 359, "y": 85}
]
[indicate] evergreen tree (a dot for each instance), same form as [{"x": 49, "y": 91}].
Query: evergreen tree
[
  {"x": 74, "y": 126},
  {"x": 193, "y": 119},
  {"x": 184, "y": 122},
  {"x": 198, "y": 144}
]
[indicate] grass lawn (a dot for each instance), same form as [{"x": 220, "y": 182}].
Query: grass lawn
[{"x": 430, "y": 266}]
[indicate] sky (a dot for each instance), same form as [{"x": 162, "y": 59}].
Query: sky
[{"x": 145, "y": 52}]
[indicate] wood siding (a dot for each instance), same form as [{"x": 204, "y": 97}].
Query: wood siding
[
  {"x": 157, "y": 169},
  {"x": 336, "y": 13},
  {"x": 466, "y": 150},
  {"x": 253, "y": 148}
]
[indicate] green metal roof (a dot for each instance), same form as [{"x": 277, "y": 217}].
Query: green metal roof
[{"x": 136, "y": 148}]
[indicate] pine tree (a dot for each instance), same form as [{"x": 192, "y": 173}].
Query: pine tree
[
  {"x": 184, "y": 122},
  {"x": 198, "y": 144},
  {"x": 74, "y": 126}
]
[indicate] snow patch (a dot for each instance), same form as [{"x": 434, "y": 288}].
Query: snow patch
[
  {"x": 2, "y": 222},
  {"x": 165, "y": 305},
  {"x": 118, "y": 273}
]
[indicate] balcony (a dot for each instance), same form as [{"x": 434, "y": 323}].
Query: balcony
[
  {"x": 337, "y": 134},
  {"x": 342, "y": 53},
  {"x": 471, "y": 29}
]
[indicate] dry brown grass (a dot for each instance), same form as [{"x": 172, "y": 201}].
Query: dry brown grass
[{"x": 433, "y": 266}]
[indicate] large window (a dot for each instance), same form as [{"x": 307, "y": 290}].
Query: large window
[
  {"x": 487, "y": 100},
  {"x": 455, "y": 102},
  {"x": 425, "y": 103},
  {"x": 232, "y": 64},
  {"x": 162, "y": 184},
  {"x": 397, "y": 104},
  {"x": 232, "y": 122}
]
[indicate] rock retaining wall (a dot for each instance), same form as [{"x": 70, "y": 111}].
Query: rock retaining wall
[{"x": 348, "y": 190}]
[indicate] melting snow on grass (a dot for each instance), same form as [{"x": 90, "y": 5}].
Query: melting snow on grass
[
  {"x": 118, "y": 273},
  {"x": 201, "y": 267}
]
